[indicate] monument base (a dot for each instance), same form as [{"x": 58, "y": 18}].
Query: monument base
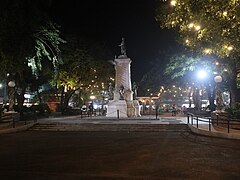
[
  {"x": 122, "y": 108},
  {"x": 137, "y": 107},
  {"x": 131, "y": 111},
  {"x": 117, "y": 109}
]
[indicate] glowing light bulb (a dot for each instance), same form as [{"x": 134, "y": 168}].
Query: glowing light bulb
[
  {"x": 173, "y": 3},
  {"x": 207, "y": 51},
  {"x": 225, "y": 13},
  {"x": 191, "y": 25},
  {"x": 197, "y": 27}
]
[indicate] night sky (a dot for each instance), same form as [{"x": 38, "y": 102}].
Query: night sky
[{"x": 110, "y": 20}]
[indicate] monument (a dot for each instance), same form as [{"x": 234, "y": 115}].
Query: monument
[{"x": 123, "y": 104}]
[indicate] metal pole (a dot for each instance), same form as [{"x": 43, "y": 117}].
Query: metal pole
[
  {"x": 228, "y": 124},
  {"x": 197, "y": 121},
  {"x": 13, "y": 120},
  {"x": 209, "y": 124},
  {"x": 118, "y": 114},
  {"x": 188, "y": 118},
  {"x": 156, "y": 112}
]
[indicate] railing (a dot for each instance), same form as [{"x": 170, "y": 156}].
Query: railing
[
  {"x": 119, "y": 113},
  {"x": 13, "y": 118},
  {"x": 228, "y": 122},
  {"x": 191, "y": 118}
]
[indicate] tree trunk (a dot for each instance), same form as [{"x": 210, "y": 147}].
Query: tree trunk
[
  {"x": 39, "y": 96},
  {"x": 211, "y": 97},
  {"x": 196, "y": 99},
  {"x": 234, "y": 92},
  {"x": 20, "y": 100},
  {"x": 190, "y": 99},
  {"x": 67, "y": 96}
]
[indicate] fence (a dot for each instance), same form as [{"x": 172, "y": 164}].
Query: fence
[{"x": 228, "y": 122}]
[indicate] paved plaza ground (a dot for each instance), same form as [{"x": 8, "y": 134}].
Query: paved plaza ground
[{"x": 117, "y": 155}]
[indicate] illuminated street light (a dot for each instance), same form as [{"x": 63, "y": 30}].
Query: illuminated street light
[
  {"x": 218, "y": 79},
  {"x": 201, "y": 74},
  {"x": 11, "y": 93}
]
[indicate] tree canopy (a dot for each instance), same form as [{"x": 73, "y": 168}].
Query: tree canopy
[
  {"x": 210, "y": 26},
  {"x": 28, "y": 39}
]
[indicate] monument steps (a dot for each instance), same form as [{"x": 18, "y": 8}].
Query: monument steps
[{"x": 110, "y": 127}]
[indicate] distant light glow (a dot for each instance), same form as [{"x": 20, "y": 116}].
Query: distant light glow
[
  {"x": 27, "y": 96},
  {"x": 225, "y": 13},
  {"x": 92, "y": 97},
  {"x": 197, "y": 27},
  {"x": 207, "y": 51},
  {"x": 218, "y": 79},
  {"x": 173, "y": 3},
  {"x": 191, "y": 25},
  {"x": 202, "y": 74},
  {"x": 230, "y": 48}
]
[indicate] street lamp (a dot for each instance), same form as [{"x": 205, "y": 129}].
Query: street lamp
[
  {"x": 202, "y": 74},
  {"x": 11, "y": 92},
  {"x": 218, "y": 80}
]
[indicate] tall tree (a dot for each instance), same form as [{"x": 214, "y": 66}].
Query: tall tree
[
  {"x": 85, "y": 70},
  {"x": 208, "y": 27},
  {"x": 27, "y": 35}
]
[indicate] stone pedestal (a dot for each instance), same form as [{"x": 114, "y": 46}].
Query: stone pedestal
[
  {"x": 123, "y": 94},
  {"x": 115, "y": 107}
]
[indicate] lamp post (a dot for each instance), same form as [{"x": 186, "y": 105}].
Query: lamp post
[
  {"x": 218, "y": 80},
  {"x": 11, "y": 92}
]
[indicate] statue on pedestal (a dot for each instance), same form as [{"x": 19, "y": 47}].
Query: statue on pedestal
[
  {"x": 123, "y": 48},
  {"x": 134, "y": 89},
  {"x": 122, "y": 104},
  {"x": 111, "y": 89},
  {"x": 121, "y": 92}
]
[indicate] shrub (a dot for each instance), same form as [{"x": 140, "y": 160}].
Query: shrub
[{"x": 40, "y": 109}]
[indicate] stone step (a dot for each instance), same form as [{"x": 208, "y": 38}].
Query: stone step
[{"x": 110, "y": 127}]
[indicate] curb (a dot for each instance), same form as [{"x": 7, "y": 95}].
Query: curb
[
  {"x": 17, "y": 129},
  {"x": 213, "y": 133}
]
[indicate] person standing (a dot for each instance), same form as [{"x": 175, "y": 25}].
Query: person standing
[{"x": 174, "y": 110}]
